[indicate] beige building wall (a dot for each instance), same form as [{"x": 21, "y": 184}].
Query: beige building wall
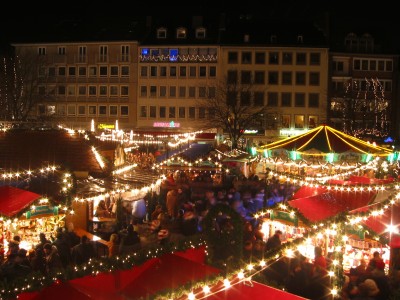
[{"x": 84, "y": 81}]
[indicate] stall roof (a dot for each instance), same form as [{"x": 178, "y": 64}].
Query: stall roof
[
  {"x": 317, "y": 204},
  {"x": 13, "y": 200}
]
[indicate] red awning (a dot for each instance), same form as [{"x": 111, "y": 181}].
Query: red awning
[
  {"x": 13, "y": 200},
  {"x": 321, "y": 205}
]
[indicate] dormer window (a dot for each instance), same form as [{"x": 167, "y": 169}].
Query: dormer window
[
  {"x": 161, "y": 33},
  {"x": 300, "y": 38},
  {"x": 273, "y": 39},
  {"x": 181, "y": 33},
  {"x": 200, "y": 33}
]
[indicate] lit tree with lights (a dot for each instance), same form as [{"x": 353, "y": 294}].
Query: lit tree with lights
[
  {"x": 365, "y": 108},
  {"x": 19, "y": 85},
  {"x": 232, "y": 107}
]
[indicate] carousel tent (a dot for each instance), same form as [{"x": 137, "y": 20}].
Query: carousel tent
[
  {"x": 13, "y": 200},
  {"x": 325, "y": 139}
]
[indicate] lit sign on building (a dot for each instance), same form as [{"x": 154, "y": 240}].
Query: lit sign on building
[
  {"x": 171, "y": 124},
  {"x": 292, "y": 131},
  {"x": 105, "y": 126},
  {"x": 252, "y": 131}
]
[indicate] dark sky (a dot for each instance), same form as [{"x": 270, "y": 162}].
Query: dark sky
[{"x": 31, "y": 17}]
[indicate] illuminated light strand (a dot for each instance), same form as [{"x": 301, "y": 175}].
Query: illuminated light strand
[
  {"x": 98, "y": 157},
  {"x": 36, "y": 172},
  {"x": 124, "y": 169}
]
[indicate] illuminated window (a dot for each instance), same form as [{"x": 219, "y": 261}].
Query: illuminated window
[
  {"x": 285, "y": 121},
  {"x": 312, "y": 121},
  {"x": 113, "y": 110},
  {"x": 161, "y": 33},
  {"x": 181, "y": 33},
  {"x": 299, "y": 121},
  {"x": 61, "y": 50}
]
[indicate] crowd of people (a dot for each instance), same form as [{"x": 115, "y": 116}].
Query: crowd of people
[{"x": 142, "y": 159}]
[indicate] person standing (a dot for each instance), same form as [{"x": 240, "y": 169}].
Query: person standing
[{"x": 274, "y": 242}]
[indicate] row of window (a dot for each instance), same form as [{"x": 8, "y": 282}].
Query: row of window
[
  {"x": 85, "y": 90},
  {"x": 377, "y": 86},
  {"x": 84, "y": 110},
  {"x": 172, "y": 71},
  {"x": 385, "y": 65},
  {"x": 163, "y": 112},
  {"x": 173, "y": 53},
  {"x": 174, "y": 91},
  {"x": 299, "y": 121},
  {"x": 286, "y": 78},
  {"x": 82, "y": 51},
  {"x": 83, "y": 71},
  {"x": 181, "y": 33},
  {"x": 274, "y": 58},
  {"x": 286, "y": 100}
]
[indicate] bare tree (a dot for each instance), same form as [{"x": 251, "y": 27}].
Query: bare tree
[
  {"x": 233, "y": 107},
  {"x": 20, "y": 78}
]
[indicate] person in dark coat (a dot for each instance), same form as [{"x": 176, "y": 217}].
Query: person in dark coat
[
  {"x": 274, "y": 241},
  {"x": 82, "y": 252},
  {"x": 64, "y": 251}
]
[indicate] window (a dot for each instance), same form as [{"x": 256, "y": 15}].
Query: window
[
  {"x": 301, "y": 58},
  {"x": 300, "y": 78},
  {"x": 300, "y": 38},
  {"x": 102, "y": 110},
  {"x": 114, "y": 71},
  {"x": 42, "y": 51},
  {"x": 153, "y": 71},
  {"x": 82, "y": 53},
  {"x": 163, "y": 91},
  {"x": 162, "y": 112},
  {"x": 312, "y": 121},
  {"x": 245, "y": 77},
  {"x": 245, "y": 98},
  {"x": 182, "y": 91},
  {"x": 173, "y": 54},
  {"x": 71, "y": 90},
  {"x": 258, "y": 98},
  {"x": 315, "y": 59},
  {"x": 287, "y": 78},
  {"x": 387, "y": 85},
  {"x": 357, "y": 64},
  {"x": 246, "y": 57},
  {"x": 143, "y": 91},
  {"x": 364, "y": 65},
  {"x": 202, "y": 113},
  {"x": 92, "y": 71},
  {"x": 182, "y": 112},
  {"x": 389, "y": 66},
  {"x": 92, "y": 90},
  {"x": 192, "y": 92},
  {"x": 274, "y": 58},
  {"x": 172, "y": 91},
  {"x": 212, "y": 71},
  {"x": 61, "y": 90},
  {"x": 124, "y": 90},
  {"x": 232, "y": 77},
  {"x": 172, "y": 71},
  {"x": 285, "y": 121},
  {"x": 124, "y": 71},
  {"x": 192, "y": 71},
  {"x": 82, "y": 71},
  {"x": 192, "y": 112},
  {"x": 163, "y": 71},
  {"x": 52, "y": 71},
  {"x": 61, "y": 71},
  {"x": 181, "y": 33},
  {"x": 103, "y": 90},
  {"x": 338, "y": 66},
  {"x": 286, "y": 99},
  {"x": 125, "y": 53},
  {"x": 272, "y": 99},
  {"x": 211, "y": 92},
  {"x": 161, "y": 33},
  {"x": 103, "y": 71},
  {"x": 92, "y": 110},
  {"x": 143, "y": 112},
  {"x": 372, "y": 65},
  {"x": 153, "y": 91},
  {"x": 113, "y": 90},
  {"x": 232, "y": 57},
  {"x": 200, "y": 33},
  {"x": 202, "y": 92},
  {"x": 172, "y": 112},
  {"x": 260, "y": 58},
  {"x": 259, "y": 77},
  {"x": 61, "y": 110},
  {"x": 124, "y": 110},
  {"x": 287, "y": 58},
  {"x": 313, "y": 100},
  {"x": 182, "y": 71},
  {"x": 71, "y": 110},
  {"x": 299, "y": 121},
  {"x": 81, "y": 110},
  {"x": 273, "y": 77},
  {"x": 103, "y": 52},
  {"x": 300, "y": 100},
  {"x": 143, "y": 71},
  {"x": 202, "y": 71},
  {"x": 314, "y": 78},
  {"x": 113, "y": 110},
  {"x": 61, "y": 50},
  {"x": 82, "y": 90}
]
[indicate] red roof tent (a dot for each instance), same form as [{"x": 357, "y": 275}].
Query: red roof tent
[
  {"x": 317, "y": 204},
  {"x": 13, "y": 200}
]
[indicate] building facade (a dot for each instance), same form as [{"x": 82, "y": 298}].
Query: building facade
[{"x": 85, "y": 81}]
